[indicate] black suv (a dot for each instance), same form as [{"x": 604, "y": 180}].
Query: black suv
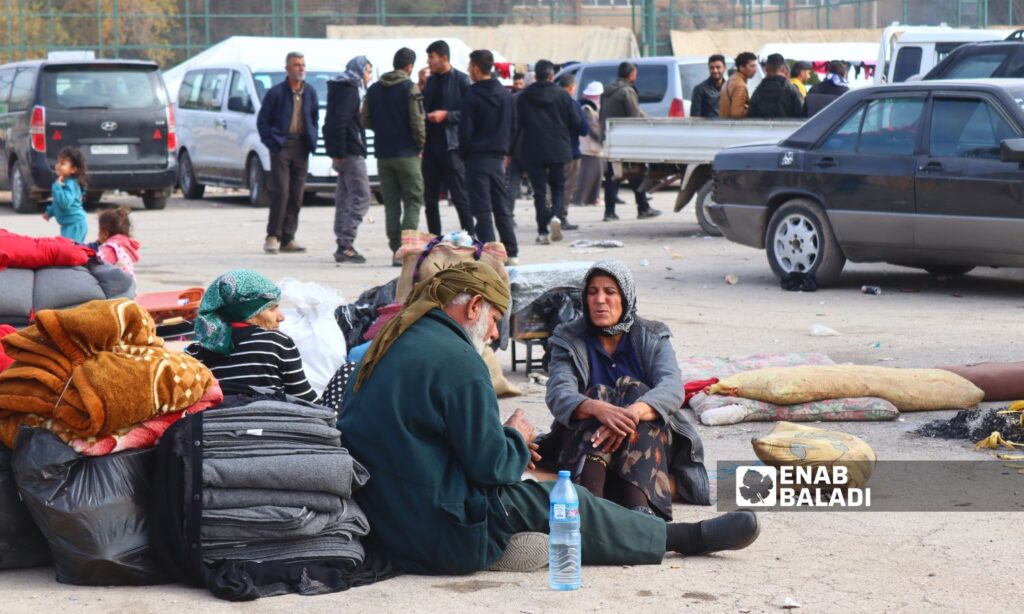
[
  {"x": 995, "y": 59},
  {"x": 115, "y": 111}
]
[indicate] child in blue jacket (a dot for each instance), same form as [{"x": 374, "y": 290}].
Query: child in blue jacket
[{"x": 67, "y": 206}]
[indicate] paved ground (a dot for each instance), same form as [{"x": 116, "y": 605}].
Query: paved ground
[{"x": 828, "y": 562}]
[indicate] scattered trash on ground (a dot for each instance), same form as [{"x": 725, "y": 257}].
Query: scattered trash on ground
[
  {"x": 873, "y": 290},
  {"x": 602, "y": 243},
  {"x": 976, "y": 426},
  {"x": 789, "y": 603},
  {"x": 537, "y": 378},
  {"x": 820, "y": 330},
  {"x": 732, "y": 280},
  {"x": 645, "y": 262}
]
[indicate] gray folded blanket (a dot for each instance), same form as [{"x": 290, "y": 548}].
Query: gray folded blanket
[
  {"x": 336, "y": 473},
  {"x": 322, "y": 547},
  {"x": 227, "y": 498},
  {"x": 268, "y": 522}
]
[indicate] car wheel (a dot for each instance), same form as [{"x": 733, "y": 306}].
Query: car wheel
[
  {"x": 948, "y": 270},
  {"x": 800, "y": 240},
  {"x": 703, "y": 200},
  {"x": 21, "y": 198},
  {"x": 154, "y": 200},
  {"x": 190, "y": 188},
  {"x": 258, "y": 194}
]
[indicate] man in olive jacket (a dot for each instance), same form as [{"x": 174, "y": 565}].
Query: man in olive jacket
[{"x": 445, "y": 495}]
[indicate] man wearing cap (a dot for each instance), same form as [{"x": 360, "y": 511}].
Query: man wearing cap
[
  {"x": 800, "y": 77},
  {"x": 446, "y": 495}
]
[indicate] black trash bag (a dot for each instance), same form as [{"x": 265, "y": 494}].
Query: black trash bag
[
  {"x": 355, "y": 318},
  {"x": 555, "y": 307},
  {"x": 798, "y": 282},
  {"x": 93, "y": 510},
  {"x": 21, "y": 543}
]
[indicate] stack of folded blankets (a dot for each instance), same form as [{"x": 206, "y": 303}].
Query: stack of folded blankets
[
  {"x": 277, "y": 485},
  {"x": 99, "y": 378}
]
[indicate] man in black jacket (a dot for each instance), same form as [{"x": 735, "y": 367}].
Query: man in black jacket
[
  {"x": 345, "y": 143},
  {"x": 442, "y": 97},
  {"x": 393, "y": 109},
  {"x": 776, "y": 96},
  {"x": 831, "y": 87},
  {"x": 288, "y": 124},
  {"x": 485, "y": 138},
  {"x": 546, "y": 121},
  {"x": 707, "y": 92}
]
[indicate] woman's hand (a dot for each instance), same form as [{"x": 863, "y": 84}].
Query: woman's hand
[
  {"x": 605, "y": 441},
  {"x": 617, "y": 419},
  {"x": 642, "y": 412}
]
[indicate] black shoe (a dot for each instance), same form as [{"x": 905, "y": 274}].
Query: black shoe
[
  {"x": 648, "y": 213},
  {"x": 619, "y": 201},
  {"x": 732, "y": 531},
  {"x": 610, "y": 217},
  {"x": 349, "y": 255},
  {"x": 567, "y": 226},
  {"x": 643, "y": 509}
]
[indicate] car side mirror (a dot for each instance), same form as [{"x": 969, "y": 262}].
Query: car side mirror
[
  {"x": 239, "y": 104},
  {"x": 1012, "y": 150}
]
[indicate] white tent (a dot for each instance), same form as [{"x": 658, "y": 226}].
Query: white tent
[{"x": 264, "y": 52}]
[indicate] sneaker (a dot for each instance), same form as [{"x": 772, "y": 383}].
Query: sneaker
[
  {"x": 292, "y": 247},
  {"x": 512, "y": 261},
  {"x": 271, "y": 245},
  {"x": 526, "y": 552},
  {"x": 396, "y": 260},
  {"x": 555, "y": 226},
  {"x": 567, "y": 226},
  {"x": 732, "y": 531},
  {"x": 349, "y": 255},
  {"x": 543, "y": 240},
  {"x": 648, "y": 213},
  {"x": 610, "y": 217}
]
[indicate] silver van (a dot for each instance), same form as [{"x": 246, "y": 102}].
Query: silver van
[
  {"x": 218, "y": 140},
  {"x": 665, "y": 84}
]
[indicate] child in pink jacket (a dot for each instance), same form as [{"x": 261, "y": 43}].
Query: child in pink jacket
[{"x": 116, "y": 245}]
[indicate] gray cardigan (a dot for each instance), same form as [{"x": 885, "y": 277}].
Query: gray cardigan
[{"x": 569, "y": 374}]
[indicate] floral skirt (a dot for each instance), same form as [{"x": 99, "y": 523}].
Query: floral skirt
[{"x": 643, "y": 458}]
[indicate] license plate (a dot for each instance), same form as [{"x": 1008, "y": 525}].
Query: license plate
[{"x": 109, "y": 150}]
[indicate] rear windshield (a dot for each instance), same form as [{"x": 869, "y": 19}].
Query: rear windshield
[
  {"x": 651, "y": 79},
  {"x": 975, "y": 65},
  {"x": 266, "y": 80},
  {"x": 114, "y": 87}
]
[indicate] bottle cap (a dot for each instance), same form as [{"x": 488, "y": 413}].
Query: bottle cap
[{"x": 564, "y": 474}]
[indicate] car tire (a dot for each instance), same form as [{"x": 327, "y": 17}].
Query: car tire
[
  {"x": 800, "y": 240},
  {"x": 190, "y": 188},
  {"x": 949, "y": 270},
  {"x": 21, "y": 197},
  {"x": 703, "y": 200},
  {"x": 259, "y": 196},
  {"x": 154, "y": 200}
]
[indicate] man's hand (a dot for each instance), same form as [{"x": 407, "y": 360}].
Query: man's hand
[
  {"x": 46, "y": 216},
  {"x": 534, "y": 456},
  {"x": 437, "y": 117},
  {"x": 518, "y": 422}
]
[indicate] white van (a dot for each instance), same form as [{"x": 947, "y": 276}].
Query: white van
[
  {"x": 909, "y": 52},
  {"x": 218, "y": 143}
]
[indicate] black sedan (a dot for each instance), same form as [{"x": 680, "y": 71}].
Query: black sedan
[{"x": 926, "y": 174}]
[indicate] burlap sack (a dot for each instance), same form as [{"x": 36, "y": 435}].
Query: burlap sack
[
  {"x": 442, "y": 256},
  {"x": 907, "y": 389},
  {"x": 502, "y": 387},
  {"x": 799, "y": 445}
]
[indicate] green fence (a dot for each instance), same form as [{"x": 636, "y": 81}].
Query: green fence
[{"x": 169, "y": 31}]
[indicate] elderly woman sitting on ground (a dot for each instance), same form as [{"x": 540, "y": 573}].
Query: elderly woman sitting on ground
[
  {"x": 238, "y": 340},
  {"x": 615, "y": 393}
]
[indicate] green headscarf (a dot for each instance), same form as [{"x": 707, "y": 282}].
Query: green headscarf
[
  {"x": 434, "y": 293},
  {"x": 235, "y": 296}
]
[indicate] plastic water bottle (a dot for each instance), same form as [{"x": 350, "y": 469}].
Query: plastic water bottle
[{"x": 564, "y": 560}]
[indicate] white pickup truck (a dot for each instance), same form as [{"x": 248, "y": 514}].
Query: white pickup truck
[{"x": 683, "y": 149}]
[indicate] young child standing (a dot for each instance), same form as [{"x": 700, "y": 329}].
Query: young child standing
[
  {"x": 67, "y": 205},
  {"x": 115, "y": 244}
]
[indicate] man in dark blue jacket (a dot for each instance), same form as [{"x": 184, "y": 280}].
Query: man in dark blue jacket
[
  {"x": 288, "y": 124},
  {"x": 485, "y": 137},
  {"x": 546, "y": 121},
  {"x": 345, "y": 142},
  {"x": 442, "y": 97}
]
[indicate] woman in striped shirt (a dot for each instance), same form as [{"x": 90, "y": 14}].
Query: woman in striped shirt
[{"x": 237, "y": 337}]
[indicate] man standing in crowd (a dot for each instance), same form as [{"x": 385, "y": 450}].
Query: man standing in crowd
[
  {"x": 775, "y": 97},
  {"x": 801, "y": 77},
  {"x": 518, "y": 82},
  {"x": 833, "y": 86},
  {"x": 394, "y": 111},
  {"x": 588, "y": 186},
  {"x": 441, "y": 162},
  {"x": 620, "y": 100},
  {"x": 546, "y": 118},
  {"x": 734, "y": 98},
  {"x": 345, "y": 143},
  {"x": 485, "y": 138},
  {"x": 707, "y": 92},
  {"x": 288, "y": 126},
  {"x": 572, "y": 169}
]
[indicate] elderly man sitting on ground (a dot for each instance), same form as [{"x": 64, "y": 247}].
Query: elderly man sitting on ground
[{"x": 446, "y": 496}]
